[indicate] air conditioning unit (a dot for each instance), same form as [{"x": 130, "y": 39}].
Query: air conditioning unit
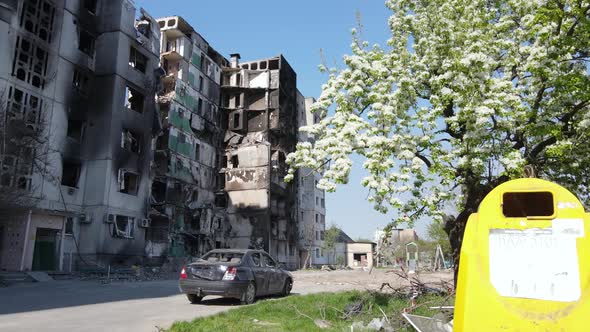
[
  {"x": 145, "y": 223},
  {"x": 71, "y": 191},
  {"x": 109, "y": 218},
  {"x": 85, "y": 219}
]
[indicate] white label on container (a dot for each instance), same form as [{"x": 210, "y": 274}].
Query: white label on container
[
  {"x": 568, "y": 227},
  {"x": 534, "y": 264}
]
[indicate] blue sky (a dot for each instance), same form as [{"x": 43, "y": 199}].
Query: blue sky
[{"x": 298, "y": 30}]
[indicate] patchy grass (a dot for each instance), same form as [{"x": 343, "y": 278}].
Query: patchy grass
[{"x": 297, "y": 313}]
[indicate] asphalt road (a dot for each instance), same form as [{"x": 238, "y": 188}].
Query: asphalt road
[{"x": 137, "y": 306}]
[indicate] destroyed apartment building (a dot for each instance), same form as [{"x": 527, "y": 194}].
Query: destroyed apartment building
[
  {"x": 260, "y": 101},
  {"x": 188, "y": 216},
  {"x": 154, "y": 145},
  {"x": 86, "y": 73}
]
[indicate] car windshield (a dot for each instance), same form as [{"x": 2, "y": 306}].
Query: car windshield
[{"x": 223, "y": 257}]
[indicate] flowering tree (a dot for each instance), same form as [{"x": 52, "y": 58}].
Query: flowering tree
[{"x": 465, "y": 94}]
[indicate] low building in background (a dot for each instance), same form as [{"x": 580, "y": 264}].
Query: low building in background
[{"x": 350, "y": 253}]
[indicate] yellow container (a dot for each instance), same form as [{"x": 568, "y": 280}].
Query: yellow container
[{"x": 525, "y": 261}]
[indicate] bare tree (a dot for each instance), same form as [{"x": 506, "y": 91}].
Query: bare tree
[{"x": 24, "y": 150}]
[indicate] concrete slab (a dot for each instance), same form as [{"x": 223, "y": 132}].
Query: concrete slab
[{"x": 39, "y": 276}]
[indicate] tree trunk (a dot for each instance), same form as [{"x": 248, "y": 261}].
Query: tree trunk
[{"x": 455, "y": 226}]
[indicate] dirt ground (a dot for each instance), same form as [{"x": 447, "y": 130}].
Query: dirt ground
[{"x": 75, "y": 305}]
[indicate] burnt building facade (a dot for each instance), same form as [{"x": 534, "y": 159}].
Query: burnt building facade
[
  {"x": 259, "y": 100},
  {"x": 188, "y": 216},
  {"x": 86, "y": 72}
]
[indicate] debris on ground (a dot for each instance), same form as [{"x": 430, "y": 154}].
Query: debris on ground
[
  {"x": 352, "y": 309},
  {"x": 322, "y": 323}
]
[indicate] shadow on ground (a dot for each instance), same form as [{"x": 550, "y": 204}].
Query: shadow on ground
[{"x": 59, "y": 294}]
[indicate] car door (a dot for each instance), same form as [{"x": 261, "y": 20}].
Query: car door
[
  {"x": 274, "y": 278},
  {"x": 260, "y": 274}
]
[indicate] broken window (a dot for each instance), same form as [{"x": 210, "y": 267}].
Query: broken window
[
  {"x": 221, "y": 181},
  {"x": 254, "y": 66},
  {"x": 197, "y": 151},
  {"x": 238, "y": 79},
  {"x": 123, "y": 227},
  {"x": 263, "y": 65},
  {"x": 86, "y": 42},
  {"x": 134, "y": 100},
  {"x": 144, "y": 26},
  {"x": 128, "y": 182},
  {"x": 200, "y": 106},
  {"x": 200, "y": 83},
  {"x": 273, "y": 64},
  {"x": 30, "y": 62},
  {"x": 75, "y": 129},
  {"x": 70, "y": 173},
  {"x": 158, "y": 192},
  {"x": 137, "y": 60},
  {"x": 90, "y": 6},
  {"x": 23, "y": 106},
  {"x": 221, "y": 200},
  {"x": 69, "y": 226},
  {"x": 38, "y": 17},
  {"x": 130, "y": 141},
  {"x": 235, "y": 162},
  {"x": 80, "y": 81}
]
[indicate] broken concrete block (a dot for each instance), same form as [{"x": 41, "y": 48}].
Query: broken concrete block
[
  {"x": 322, "y": 324},
  {"x": 39, "y": 276}
]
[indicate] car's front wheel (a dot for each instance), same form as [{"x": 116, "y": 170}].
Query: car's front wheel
[
  {"x": 287, "y": 287},
  {"x": 249, "y": 294},
  {"x": 194, "y": 299}
]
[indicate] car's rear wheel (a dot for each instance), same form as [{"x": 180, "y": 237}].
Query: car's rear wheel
[
  {"x": 287, "y": 287},
  {"x": 194, "y": 299},
  {"x": 249, "y": 294}
]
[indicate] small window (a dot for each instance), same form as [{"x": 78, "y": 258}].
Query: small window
[
  {"x": 317, "y": 218},
  {"x": 200, "y": 106},
  {"x": 254, "y": 66},
  {"x": 317, "y": 201},
  {"x": 255, "y": 259},
  {"x": 134, "y": 100},
  {"x": 128, "y": 182},
  {"x": 322, "y": 235},
  {"x": 235, "y": 162},
  {"x": 137, "y": 60},
  {"x": 527, "y": 204},
  {"x": 86, "y": 43},
  {"x": 317, "y": 253},
  {"x": 80, "y": 81},
  {"x": 323, "y": 201},
  {"x": 197, "y": 151},
  {"x": 220, "y": 200},
  {"x": 200, "y": 83},
  {"x": 90, "y": 6},
  {"x": 263, "y": 65},
  {"x": 69, "y": 226},
  {"x": 273, "y": 64},
  {"x": 70, "y": 174},
  {"x": 317, "y": 235},
  {"x": 75, "y": 130},
  {"x": 130, "y": 141},
  {"x": 123, "y": 227}
]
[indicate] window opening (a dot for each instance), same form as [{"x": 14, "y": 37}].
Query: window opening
[
  {"x": 134, "y": 100},
  {"x": 128, "y": 182},
  {"x": 86, "y": 42},
  {"x": 137, "y": 60},
  {"x": 130, "y": 141},
  {"x": 123, "y": 227},
  {"x": 70, "y": 173}
]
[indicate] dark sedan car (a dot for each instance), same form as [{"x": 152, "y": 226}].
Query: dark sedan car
[{"x": 239, "y": 273}]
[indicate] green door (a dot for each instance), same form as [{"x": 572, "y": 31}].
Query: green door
[{"x": 45, "y": 250}]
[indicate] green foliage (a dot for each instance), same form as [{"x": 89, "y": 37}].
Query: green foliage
[
  {"x": 464, "y": 95},
  {"x": 437, "y": 235},
  {"x": 285, "y": 314}
]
